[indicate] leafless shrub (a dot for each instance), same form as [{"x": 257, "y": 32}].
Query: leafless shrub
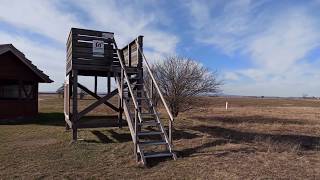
[{"x": 182, "y": 78}]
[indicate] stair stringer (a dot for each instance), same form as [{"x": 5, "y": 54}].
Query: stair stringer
[
  {"x": 129, "y": 121},
  {"x": 165, "y": 136}
]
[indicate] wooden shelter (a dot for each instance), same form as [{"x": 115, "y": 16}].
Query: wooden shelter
[
  {"x": 96, "y": 54},
  {"x": 19, "y": 80}
]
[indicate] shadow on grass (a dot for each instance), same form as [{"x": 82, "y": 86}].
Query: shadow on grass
[
  {"x": 102, "y": 137},
  {"x": 182, "y": 134},
  {"x": 123, "y": 137},
  {"x": 249, "y": 119},
  {"x": 305, "y": 142},
  {"x": 57, "y": 119}
]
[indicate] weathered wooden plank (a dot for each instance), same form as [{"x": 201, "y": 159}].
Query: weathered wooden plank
[
  {"x": 69, "y": 48},
  {"x": 90, "y": 56},
  {"x": 89, "y": 32},
  {"x": 103, "y": 62},
  {"x": 87, "y": 44},
  {"x": 91, "y": 38},
  {"x": 107, "y": 50},
  {"x": 109, "y": 83},
  {"x": 69, "y": 40},
  {"x": 91, "y": 67},
  {"x": 140, "y": 43},
  {"x": 129, "y": 57}
]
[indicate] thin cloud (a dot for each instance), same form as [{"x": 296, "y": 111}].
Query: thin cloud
[
  {"x": 277, "y": 43},
  {"x": 50, "y": 20}
]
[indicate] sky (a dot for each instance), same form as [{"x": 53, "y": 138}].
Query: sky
[{"x": 261, "y": 48}]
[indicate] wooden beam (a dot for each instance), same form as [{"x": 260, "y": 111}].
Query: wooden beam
[
  {"x": 75, "y": 116},
  {"x": 95, "y": 84},
  {"x": 129, "y": 55},
  {"x": 109, "y": 82},
  {"x": 97, "y": 103},
  {"x": 98, "y": 97},
  {"x": 140, "y": 51}
]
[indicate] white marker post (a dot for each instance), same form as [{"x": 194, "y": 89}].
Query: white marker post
[{"x": 226, "y": 105}]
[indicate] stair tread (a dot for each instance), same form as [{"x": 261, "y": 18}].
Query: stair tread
[
  {"x": 145, "y": 114},
  {"x": 142, "y": 98},
  {"x": 146, "y": 133},
  {"x": 147, "y": 143},
  {"x": 149, "y": 123},
  {"x": 157, "y": 154}
]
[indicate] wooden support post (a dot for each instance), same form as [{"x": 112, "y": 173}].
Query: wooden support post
[
  {"x": 121, "y": 98},
  {"x": 151, "y": 91},
  {"x": 67, "y": 96},
  {"x": 109, "y": 82},
  {"x": 95, "y": 84},
  {"x": 120, "y": 113},
  {"x": 129, "y": 55},
  {"x": 140, "y": 71},
  {"x": 74, "y": 104},
  {"x": 140, "y": 58},
  {"x": 170, "y": 132}
]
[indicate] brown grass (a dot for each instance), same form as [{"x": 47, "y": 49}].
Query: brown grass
[{"x": 254, "y": 139}]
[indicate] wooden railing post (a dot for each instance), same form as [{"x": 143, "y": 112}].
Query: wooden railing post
[
  {"x": 151, "y": 89},
  {"x": 95, "y": 84},
  {"x": 136, "y": 134},
  {"x": 154, "y": 82},
  {"x": 170, "y": 132},
  {"x": 121, "y": 99}
]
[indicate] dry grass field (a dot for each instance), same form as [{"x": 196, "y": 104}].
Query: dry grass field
[{"x": 254, "y": 139}]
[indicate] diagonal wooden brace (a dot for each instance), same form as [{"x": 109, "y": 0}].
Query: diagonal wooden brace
[
  {"x": 98, "y": 97},
  {"x": 97, "y": 103}
]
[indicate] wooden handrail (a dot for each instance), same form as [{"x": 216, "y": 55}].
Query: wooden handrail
[
  {"x": 128, "y": 81},
  {"x": 155, "y": 83}
]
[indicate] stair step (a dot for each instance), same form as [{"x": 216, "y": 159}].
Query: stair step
[
  {"x": 142, "y": 98},
  {"x": 146, "y": 115},
  {"x": 135, "y": 90},
  {"x": 157, "y": 154},
  {"x": 149, "y": 123},
  {"x": 149, "y": 133},
  {"x": 136, "y": 77},
  {"x": 141, "y": 105},
  {"x": 151, "y": 143}
]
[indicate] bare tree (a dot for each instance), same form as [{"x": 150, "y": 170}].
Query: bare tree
[{"x": 181, "y": 78}]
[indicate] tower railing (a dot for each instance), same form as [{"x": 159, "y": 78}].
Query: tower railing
[{"x": 153, "y": 83}]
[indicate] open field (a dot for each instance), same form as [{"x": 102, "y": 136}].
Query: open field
[{"x": 254, "y": 139}]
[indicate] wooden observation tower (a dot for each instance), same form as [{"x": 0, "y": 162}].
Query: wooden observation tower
[{"x": 95, "y": 53}]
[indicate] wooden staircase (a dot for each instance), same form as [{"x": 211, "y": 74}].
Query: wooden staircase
[{"x": 149, "y": 136}]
